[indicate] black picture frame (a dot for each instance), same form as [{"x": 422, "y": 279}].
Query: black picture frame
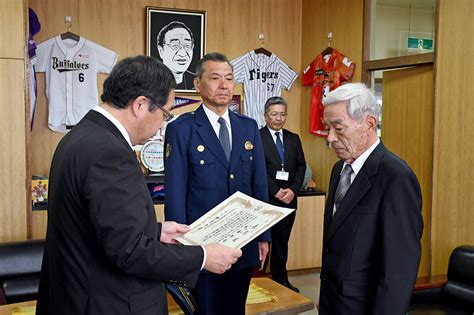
[{"x": 195, "y": 21}]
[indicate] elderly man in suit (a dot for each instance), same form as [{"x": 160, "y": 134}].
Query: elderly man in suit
[
  {"x": 286, "y": 167},
  {"x": 212, "y": 153},
  {"x": 372, "y": 220},
  {"x": 105, "y": 251}
]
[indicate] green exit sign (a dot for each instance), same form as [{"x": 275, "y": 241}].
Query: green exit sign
[{"x": 420, "y": 43}]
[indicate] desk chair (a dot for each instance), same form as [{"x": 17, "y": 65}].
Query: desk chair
[
  {"x": 182, "y": 296},
  {"x": 456, "y": 296}
]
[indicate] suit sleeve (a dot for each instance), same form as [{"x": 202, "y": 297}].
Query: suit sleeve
[
  {"x": 273, "y": 188},
  {"x": 402, "y": 226},
  {"x": 300, "y": 167},
  {"x": 259, "y": 176},
  {"x": 119, "y": 212},
  {"x": 176, "y": 175}
]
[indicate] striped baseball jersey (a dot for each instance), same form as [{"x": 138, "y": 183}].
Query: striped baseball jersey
[
  {"x": 325, "y": 73},
  {"x": 71, "y": 77},
  {"x": 263, "y": 77}
]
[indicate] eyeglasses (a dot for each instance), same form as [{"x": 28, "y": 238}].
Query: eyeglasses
[
  {"x": 275, "y": 114},
  {"x": 167, "y": 116},
  {"x": 177, "y": 45}
]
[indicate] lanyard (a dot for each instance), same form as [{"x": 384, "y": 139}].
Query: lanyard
[{"x": 282, "y": 151}]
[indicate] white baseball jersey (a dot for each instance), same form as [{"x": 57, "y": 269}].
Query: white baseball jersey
[
  {"x": 71, "y": 77},
  {"x": 263, "y": 77}
]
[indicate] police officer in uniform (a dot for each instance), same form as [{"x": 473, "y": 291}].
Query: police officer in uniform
[{"x": 209, "y": 155}]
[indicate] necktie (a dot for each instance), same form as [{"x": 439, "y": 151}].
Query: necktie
[
  {"x": 344, "y": 184},
  {"x": 224, "y": 137},
  {"x": 279, "y": 146}
]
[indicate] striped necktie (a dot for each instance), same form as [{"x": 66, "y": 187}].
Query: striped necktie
[
  {"x": 343, "y": 186},
  {"x": 279, "y": 146}
]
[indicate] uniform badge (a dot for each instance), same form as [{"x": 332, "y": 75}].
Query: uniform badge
[
  {"x": 200, "y": 148},
  {"x": 248, "y": 145},
  {"x": 168, "y": 151}
]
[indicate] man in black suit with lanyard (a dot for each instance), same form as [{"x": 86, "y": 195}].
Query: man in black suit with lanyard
[
  {"x": 105, "y": 252},
  {"x": 286, "y": 167}
]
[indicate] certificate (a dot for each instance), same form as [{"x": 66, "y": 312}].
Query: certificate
[{"x": 234, "y": 222}]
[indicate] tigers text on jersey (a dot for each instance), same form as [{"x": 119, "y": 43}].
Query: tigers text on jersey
[
  {"x": 263, "y": 77},
  {"x": 325, "y": 73},
  {"x": 71, "y": 77}
]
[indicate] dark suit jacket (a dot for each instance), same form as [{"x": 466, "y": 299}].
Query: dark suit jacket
[
  {"x": 371, "y": 247},
  {"x": 294, "y": 164},
  {"x": 102, "y": 253},
  {"x": 198, "y": 179}
]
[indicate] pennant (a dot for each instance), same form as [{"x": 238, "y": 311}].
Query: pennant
[{"x": 181, "y": 101}]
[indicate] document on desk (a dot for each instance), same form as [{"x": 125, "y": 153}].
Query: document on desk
[{"x": 234, "y": 222}]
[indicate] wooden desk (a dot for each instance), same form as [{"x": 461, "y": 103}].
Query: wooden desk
[
  {"x": 430, "y": 282},
  {"x": 289, "y": 302}
]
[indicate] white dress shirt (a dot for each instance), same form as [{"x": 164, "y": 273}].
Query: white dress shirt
[
  {"x": 213, "y": 119},
  {"x": 273, "y": 133},
  {"x": 116, "y": 123}
]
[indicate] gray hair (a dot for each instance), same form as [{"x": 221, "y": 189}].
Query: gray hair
[
  {"x": 274, "y": 101},
  {"x": 213, "y": 56},
  {"x": 360, "y": 100}
]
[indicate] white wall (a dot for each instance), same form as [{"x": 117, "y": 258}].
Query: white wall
[{"x": 392, "y": 26}]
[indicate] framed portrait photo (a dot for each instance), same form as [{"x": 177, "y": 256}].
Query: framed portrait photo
[{"x": 177, "y": 38}]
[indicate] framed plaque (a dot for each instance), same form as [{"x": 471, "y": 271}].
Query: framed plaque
[{"x": 151, "y": 156}]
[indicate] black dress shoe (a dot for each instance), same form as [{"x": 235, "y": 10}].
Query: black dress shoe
[{"x": 290, "y": 286}]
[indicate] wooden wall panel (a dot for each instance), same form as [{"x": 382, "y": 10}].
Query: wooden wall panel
[
  {"x": 39, "y": 221},
  {"x": 407, "y": 130},
  {"x": 344, "y": 19},
  {"x": 453, "y": 176},
  {"x": 13, "y": 203},
  {"x": 12, "y": 31}
]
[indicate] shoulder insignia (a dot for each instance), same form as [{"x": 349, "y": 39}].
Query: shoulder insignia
[{"x": 168, "y": 151}]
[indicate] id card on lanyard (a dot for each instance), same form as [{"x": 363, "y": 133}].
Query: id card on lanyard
[{"x": 282, "y": 175}]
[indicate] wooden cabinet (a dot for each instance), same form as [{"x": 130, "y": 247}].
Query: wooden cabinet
[
  {"x": 305, "y": 245},
  {"x": 160, "y": 212}
]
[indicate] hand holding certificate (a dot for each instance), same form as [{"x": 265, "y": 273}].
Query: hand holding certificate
[{"x": 234, "y": 222}]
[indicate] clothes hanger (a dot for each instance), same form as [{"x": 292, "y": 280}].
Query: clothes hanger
[
  {"x": 69, "y": 34},
  {"x": 328, "y": 49},
  {"x": 262, "y": 50}
]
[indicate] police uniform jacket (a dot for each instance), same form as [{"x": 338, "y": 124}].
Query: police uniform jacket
[{"x": 198, "y": 176}]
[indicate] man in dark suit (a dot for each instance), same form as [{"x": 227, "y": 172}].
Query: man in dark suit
[
  {"x": 212, "y": 153},
  {"x": 105, "y": 253},
  {"x": 286, "y": 167},
  {"x": 372, "y": 220}
]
